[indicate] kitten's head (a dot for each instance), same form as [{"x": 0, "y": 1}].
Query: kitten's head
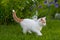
[{"x": 42, "y": 21}]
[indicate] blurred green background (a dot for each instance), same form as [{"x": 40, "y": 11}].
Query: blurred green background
[
  {"x": 26, "y": 9},
  {"x": 10, "y": 30}
]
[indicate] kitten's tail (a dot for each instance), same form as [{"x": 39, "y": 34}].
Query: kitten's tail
[{"x": 18, "y": 20}]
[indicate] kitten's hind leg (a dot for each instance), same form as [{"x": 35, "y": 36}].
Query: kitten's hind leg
[{"x": 24, "y": 31}]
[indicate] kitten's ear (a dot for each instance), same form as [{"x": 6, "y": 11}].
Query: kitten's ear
[
  {"x": 41, "y": 19},
  {"x": 44, "y": 17}
]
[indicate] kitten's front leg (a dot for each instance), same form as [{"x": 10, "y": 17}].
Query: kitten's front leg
[
  {"x": 38, "y": 32},
  {"x": 40, "y": 28}
]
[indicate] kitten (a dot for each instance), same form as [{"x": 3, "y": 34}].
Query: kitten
[{"x": 30, "y": 25}]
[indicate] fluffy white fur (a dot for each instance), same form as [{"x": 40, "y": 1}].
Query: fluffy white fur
[{"x": 30, "y": 25}]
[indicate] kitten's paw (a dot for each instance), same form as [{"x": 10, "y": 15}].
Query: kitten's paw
[
  {"x": 40, "y": 34},
  {"x": 13, "y": 10}
]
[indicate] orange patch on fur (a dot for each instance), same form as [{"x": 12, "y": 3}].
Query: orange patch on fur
[{"x": 42, "y": 20}]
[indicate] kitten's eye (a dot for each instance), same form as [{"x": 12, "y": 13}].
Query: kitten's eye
[{"x": 42, "y": 19}]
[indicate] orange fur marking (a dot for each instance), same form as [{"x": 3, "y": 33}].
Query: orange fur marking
[
  {"x": 42, "y": 21},
  {"x": 16, "y": 18}
]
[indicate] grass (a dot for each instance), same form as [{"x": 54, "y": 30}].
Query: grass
[{"x": 14, "y": 32}]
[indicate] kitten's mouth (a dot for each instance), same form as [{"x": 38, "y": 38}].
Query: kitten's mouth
[{"x": 44, "y": 24}]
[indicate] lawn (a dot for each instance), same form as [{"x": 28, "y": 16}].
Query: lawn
[{"x": 14, "y": 32}]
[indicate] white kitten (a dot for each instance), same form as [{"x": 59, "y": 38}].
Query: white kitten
[{"x": 30, "y": 25}]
